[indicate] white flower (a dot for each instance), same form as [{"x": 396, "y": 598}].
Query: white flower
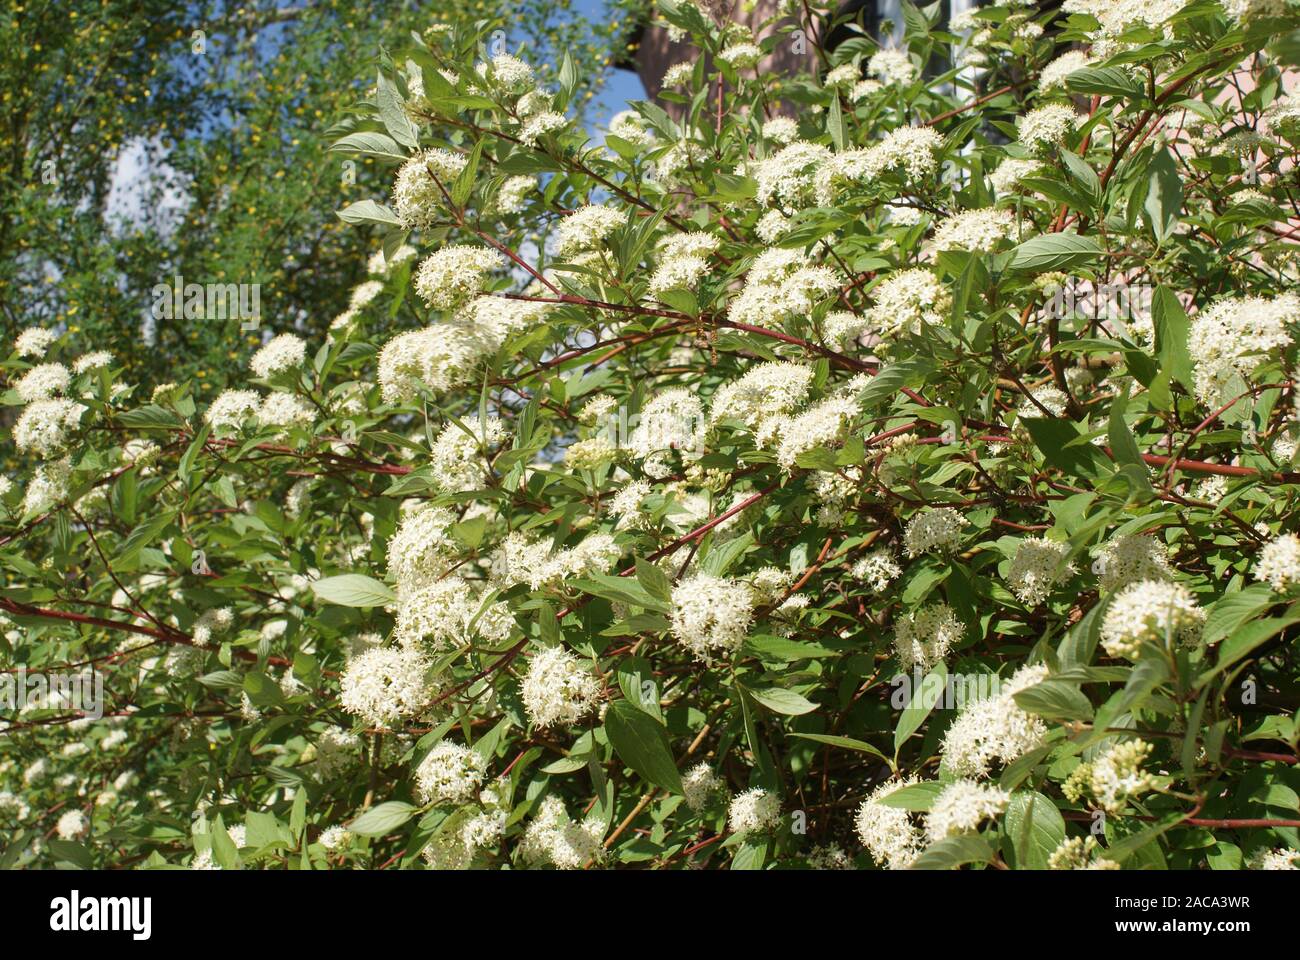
[
  {"x": 451, "y": 276},
  {"x": 740, "y": 56},
  {"x": 711, "y": 615},
  {"x": 1048, "y": 125},
  {"x": 71, "y": 825},
  {"x": 781, "y": 129},
  {"x": 781, "y": 282},
  {"x": 587, "y": 228},
  {"x": 1056, "y": 72},
  {"x": 1116, "y": 775},
  {"x": 1278, "y": 858},
  {"x": 877, "y": 569},
  {"x": 34, "y": 341},
  {"x": 961, "y": 806},
  {"x": 510, "y": 73},
  {"x": 335, "y": 838},
  {"x": 558, "y": 688},
  {"x": 44, "y": 425},
  {"x": 979, "y": 230},
  {"x": 540, "y": 125},
  {"x": 678, "y": 74},
  {"x": 423, "y": 547},
  {"x": 892, "y": 67},
  {"x": 279, "y": 354},
  {"x": 554, "y": 838},
  {"x": 92, "y": 361},
  {"x": 280, "y": 409},
  {"x": 1279, "y": 562},
  {"x": 934, "y": 530},
  {"x": 513, "y": 193},
  {"x": 994, "y": 728},
  {"x": 1150, "y": 611},
  {"x": 450, "y": 773},
  {"x": 232, "y": 408},
  {"x": 889, "y": 833},
  {"x": 699, "y": 784},
  {"x": 43, "y": 381},
  {"x": 787, "y": 177},
  {"x": 907, "y": 300},
  {"x": 923, "y": 638},
  {"x": 423, "y": 184},
  {"x": 1131, "y": 558},
  {"x": 1010, "y": 172},
  {"x": 1235, "y": 336},
  {"x": 1079, "y": 853},
  {"x": 1039, "y": 565},
  {"x": 753, "y": 811},
  {"x": 383, "y": 685}
]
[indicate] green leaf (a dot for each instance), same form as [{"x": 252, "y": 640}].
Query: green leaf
[
  {"x": 1164, "y": 200},
  {"x": 780, "y": 700},
  {"x": 846, "y": 743},
  {"x": 920, "y": 704},
  {"x": 642, "y": 743},
  {"x": 1054, "y": 251},
  {"x": 1245, "y": 639},
  {"x": 1233, "y": 609},
  {"x": 1172, "y": 328},
  {"x": 392, "y": 111},
  {"x": 953, "y": 852},
  {"x": 917, "y": 797},
  {"x": 368, "y": 143},
  {"x": 1054, "y": 700},
  {"x": 353, "y": 590},
  {"x": 1035, "y": 828},
  {"x": 1102, "y": 81},
  {"x": 383, "y": 819},
  {"x": 367, "y": 211}
]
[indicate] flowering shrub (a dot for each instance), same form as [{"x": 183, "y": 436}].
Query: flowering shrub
[{"x": 775, "y": 481}]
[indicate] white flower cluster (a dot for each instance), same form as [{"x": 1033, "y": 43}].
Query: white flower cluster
[
  {"x": 558, "y": 688},
  {"x": 456, "y": 456},
  {"x": 552, "y": 837},
  {"x": 423, "y": 185},
  {"x": 1130, "y": 559},
  {"x": 449, "y": 773},
  {"x": 754, "y": 811},
  {"x": 907, "y": 300},
  {"x": 1234, "y": 337},
  {"x": 1079, "y": 853},
  {"x": 878, "y": 569},
  {"x": 1010, "y": 172},
  {"x": 711, "y": 615},
  {"x": 278, "y": 355},
  {"x": 587, "y": 228},
  {"x": 994, "y": 728},
  {"x": 1113, "y": 777},
  {"x": 1053, "y": 76},
  {"x": 1048, "y": 125},
  {"x": 43, "y": 427},
  {"x": 700, "y": 784},
  {"x": 536, "y": 563},
  {"x": 448, "y": 612},
  {"x": 683, "y": 261},
  {"x": 452, "y": 275},
  {"x": 34, "y": 342},
  {"x": 977, "y": 230},
  {"x": 1038, "y": 566},
  {"x": 890, "y": 834},
  {"x": 892, "y": 67},
  {"x": 1150, "y": 611},
  {"x": 933, "y": 530},
  {"x": 672, "y": 420},
  {"x": 1279, "y": 562},
  {"x": 911, "y": 150},
  {"x": 788, "y": 177},
  {"x": 961, "y": 807},
  {"x": 450, "y": 354},
  {"x": 781, "y": 281},
  {"x": 384, "y": 685},
  {"x": 924, "y": 637}
]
